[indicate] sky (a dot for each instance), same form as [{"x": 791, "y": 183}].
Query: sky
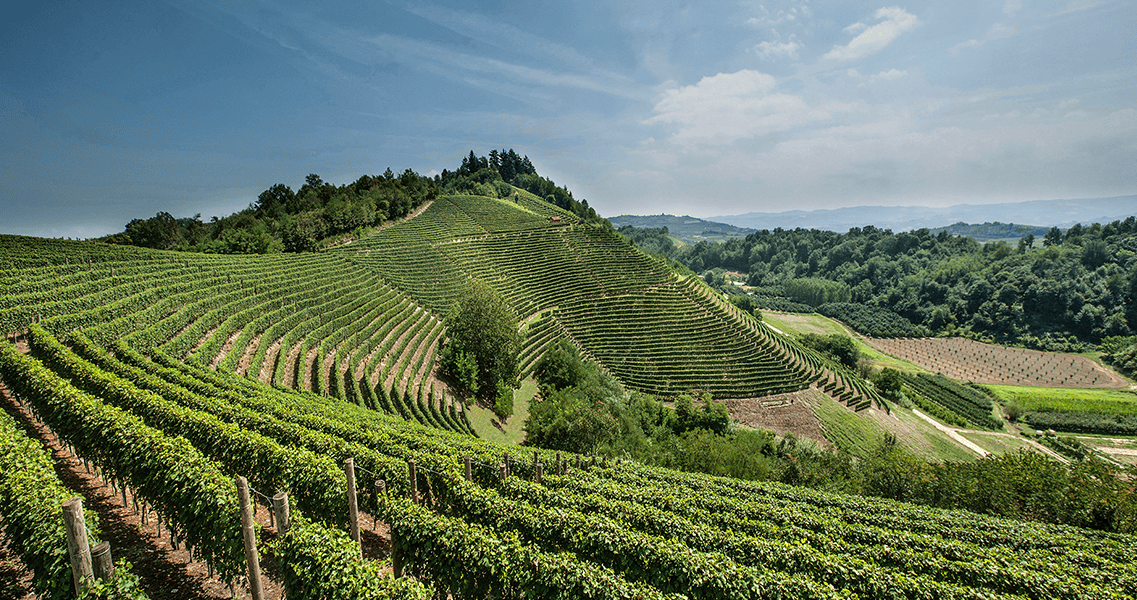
[{"x": 111, "y": 111}]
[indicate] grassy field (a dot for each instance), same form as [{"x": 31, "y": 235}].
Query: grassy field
[
  {"x": 1106, "y": 401},
  {"x": 513, "y": 430},
  {"x": 846, "y": 429},
  {"x": 797, "y": 324}
]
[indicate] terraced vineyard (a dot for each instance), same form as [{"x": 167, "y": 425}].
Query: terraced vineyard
[{"x": 130, "y": 359}]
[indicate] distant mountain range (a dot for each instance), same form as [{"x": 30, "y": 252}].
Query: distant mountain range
[{"x": 1039, "y": 213}]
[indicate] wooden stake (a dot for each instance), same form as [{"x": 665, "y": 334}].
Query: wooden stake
[
  {"x": 77, "y": 545},
  {"x": 414, "y": 480},
  {"x": 280, "y": 509},
  {"x": 352, "y": 501},
  {"x": 256, "y": 587},
  {"x": 102, "y": 561},
  {"x": 469, "y": 468}
]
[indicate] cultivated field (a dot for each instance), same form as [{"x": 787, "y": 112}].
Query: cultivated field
[{"x": 969, "y": 360}]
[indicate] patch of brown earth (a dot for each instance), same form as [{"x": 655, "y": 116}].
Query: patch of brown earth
[
  {"x": 265, "y": 376},
  {"x": 781, "y": 413},
  {"x": 247, "y": 356},
  {"x": 225, "y": 349}
]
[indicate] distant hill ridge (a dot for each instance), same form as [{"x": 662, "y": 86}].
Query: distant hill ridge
[
  {"x": 1041, "y": 213},
  {"x": 686, "y": 228}
]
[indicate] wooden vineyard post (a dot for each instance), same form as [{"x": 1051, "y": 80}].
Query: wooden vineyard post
[
  {"x": 380, "y": 491},
  {"x": 469, "y": 470},
  {"x": 538, "y": 471},
  {"x": 559, "y": 466},
  {"x": 352, "y": 501},
  {"x": 414, "y": 479},
  {"x": 280, "y": 509},
  {"x": 256, "y": 588},
  {"x": 77, "y": 545},
  {"x": 102, "y": 562},
  {"x": 508, "y": 466},
  {"x": 503, "y": 471}
]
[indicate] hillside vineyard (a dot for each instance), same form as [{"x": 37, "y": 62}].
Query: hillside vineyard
[{"x": 175, "y": 373}]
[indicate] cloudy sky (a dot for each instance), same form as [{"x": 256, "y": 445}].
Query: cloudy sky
[{"x": 116, "y": 110}]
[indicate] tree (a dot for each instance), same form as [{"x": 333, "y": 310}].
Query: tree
[
  {"x": 1026, "y": 243},
  {"x": 1052, "y": 238},
  {"x": 482, "y": 330}
]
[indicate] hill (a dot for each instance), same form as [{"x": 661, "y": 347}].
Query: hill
[
  {"x": 133, "y": 357},
  {"x": 687, "y": 229},
  {"x": 991, "y": 232},
  {"x": 1047, "y": 213}
]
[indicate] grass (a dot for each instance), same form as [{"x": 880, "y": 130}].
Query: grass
[
  {"x": 1094, "y": 400},
  {"x": 796, "y": 324},
  {"x": 513, "y": 430},
  {"x": 923, "y": 438},
  {"x": 995, "y": 443},
  {"x": 848, "y": 430}
]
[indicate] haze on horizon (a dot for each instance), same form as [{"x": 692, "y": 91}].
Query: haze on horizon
[{"x": 114, "y": 112}]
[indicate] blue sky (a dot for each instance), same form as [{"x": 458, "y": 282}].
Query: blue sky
[{"x": 111, "y": 111}]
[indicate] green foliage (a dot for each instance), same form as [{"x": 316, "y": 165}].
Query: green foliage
[
  {"x": 873, "y": 321},
  {"x": 123, "y": 585},
  {"x": 30, "y": 506},
  {"x": 1083, "y": 422},
  {"x": 483, "y": 326},
  {"x": 841, "y": 347},
  {"x": 888, "y": 382},
  {"x": 307, "y": 554},
  {"x": 1080, "y": 284},
  {"x": 961, "y": 400},
  {"x": 815, "y": 292},
  {"x": 282, "y": 220}
]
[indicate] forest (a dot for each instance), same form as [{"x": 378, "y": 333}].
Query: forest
[
  {"x": 320, "y": 214},
  {"x": 1069, "y": 290}
]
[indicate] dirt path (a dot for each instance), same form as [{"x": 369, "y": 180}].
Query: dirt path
[{"x": 952, "y": 433}]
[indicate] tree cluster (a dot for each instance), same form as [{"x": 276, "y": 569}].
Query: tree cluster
[
  {"x": 283, "y": 220},
  {"x": 481, "y": 352},
  {"x": 494, "y": 174},
  {"x": 1079, "y": 288}
]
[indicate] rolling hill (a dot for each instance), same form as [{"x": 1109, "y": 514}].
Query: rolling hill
[{"x": 134, "y": 359}]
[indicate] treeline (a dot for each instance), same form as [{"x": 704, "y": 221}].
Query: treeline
[
  {"x": 320, "y": 213},
  {"x": 283, "y": 220},
  {"x": 494, "y": 175},
  {"x": 1078, "y": 288}
]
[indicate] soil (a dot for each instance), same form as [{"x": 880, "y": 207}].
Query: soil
[
  {"x": 216, "y": 360},
  {"x": 247, "y": 356},
  {"x": 265, "y": 376},
  {"x": 782, "y": 413},
  {"x": 969, "y": 360}
]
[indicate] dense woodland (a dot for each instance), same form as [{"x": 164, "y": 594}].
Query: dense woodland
[
  {"x": 1062, "y": 292},
  {"x": 320, "y": 214}
]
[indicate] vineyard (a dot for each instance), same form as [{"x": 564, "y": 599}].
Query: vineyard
[
  {"x": 179, "y": 377},
  {"x": 968, "y": 360}
]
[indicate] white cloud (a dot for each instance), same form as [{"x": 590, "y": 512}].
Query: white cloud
[
  {"x": 767, "y": 18},
  {"x": 771, "y": 50},
  {"x": 888, "y": 75},
  {"x": 732, "y": 106},
  {"x": 1012, "y": 6},
  {"x": 997, "y": 31},
  {"x": 871, "y": 39}
]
